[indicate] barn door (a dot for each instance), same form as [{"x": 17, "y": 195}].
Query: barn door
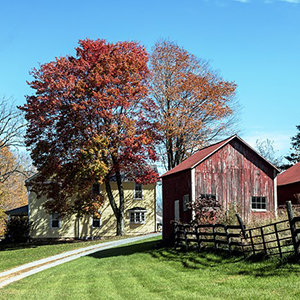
[{"x": 176, "y": 211}]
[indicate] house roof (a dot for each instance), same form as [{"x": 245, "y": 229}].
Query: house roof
[
  {"x": 291, "y": 175},
  {"x": 19, "y": 211},
  {"x": 201, "y": 155}
]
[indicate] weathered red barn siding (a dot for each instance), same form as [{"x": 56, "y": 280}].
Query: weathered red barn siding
[
  {"x": 234, "y": 174},
  {"x": 287, "y": 192},
  {"x": 175, "y": 187}
]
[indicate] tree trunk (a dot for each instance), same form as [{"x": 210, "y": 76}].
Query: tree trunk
[
  {"x": 120, "y": 218},
  {"x": 118, "y": 211}
]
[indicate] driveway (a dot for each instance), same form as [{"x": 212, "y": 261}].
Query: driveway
[{"x": 34, "y": 267}]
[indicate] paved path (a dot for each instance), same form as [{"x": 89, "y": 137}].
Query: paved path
[{"x": 34, "y": 267}]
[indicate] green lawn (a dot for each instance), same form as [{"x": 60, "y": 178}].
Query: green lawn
[
  {"x": 139, "y": 271},
  {"x": 12, "y": 255}
]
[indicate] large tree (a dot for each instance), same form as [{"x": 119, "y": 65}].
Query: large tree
[
  {"x": 195, "y": 104},
  {"x": 90, "y": 120}
]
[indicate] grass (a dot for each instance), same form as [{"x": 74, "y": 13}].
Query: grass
[
  {"x": 140, "y": 271},
  {"x": 12, "y": 255}
]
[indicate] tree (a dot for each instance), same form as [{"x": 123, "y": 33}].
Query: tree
[
  {"x": 195, "y": 104},
  {"x": 12, "y": 189},
  {"x": 11, "y": 135},
  {"x": 266, "y": 149},
  {"x": 12, "y": 173},
  {"x": 91, "y": 121},
  {"x": 294, "y": 156}
]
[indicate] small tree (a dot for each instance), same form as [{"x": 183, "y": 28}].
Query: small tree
[
  {"x": 207, "y": 210},
  {"x": 266, "y": 149}
]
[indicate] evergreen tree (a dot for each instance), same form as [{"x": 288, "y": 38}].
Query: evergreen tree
[{"x": 294, "y": 156}]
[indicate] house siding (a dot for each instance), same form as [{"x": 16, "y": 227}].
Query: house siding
[
  {"x": 234, "y": 174},
  {"x": 71, "y": 228}
]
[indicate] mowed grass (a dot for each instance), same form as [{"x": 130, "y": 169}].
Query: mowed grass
[
  {"x": 140, "y": 271},
  {"x": 12, "y": 255}
]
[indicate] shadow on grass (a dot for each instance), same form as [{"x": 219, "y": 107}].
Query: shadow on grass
[
  {"x": 34, "y": 244},
  {"x": 229, "y": 264},
  {"x": 219, "y": 260},
  {"x": 141, "y": 247}
]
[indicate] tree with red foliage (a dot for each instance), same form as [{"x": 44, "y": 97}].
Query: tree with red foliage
[{"x": 91, "y": 120}]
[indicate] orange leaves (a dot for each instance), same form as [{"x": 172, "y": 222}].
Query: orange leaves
[{"x": 191, "y": 99}]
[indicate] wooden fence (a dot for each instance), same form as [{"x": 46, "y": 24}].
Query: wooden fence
[
  {"x": 213, "y": 235},
  {"x": 277, "y": 238}
]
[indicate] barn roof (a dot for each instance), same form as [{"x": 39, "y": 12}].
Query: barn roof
[
  {"x": 198, "y": 157},
  {"x": 291, "y": 175}
]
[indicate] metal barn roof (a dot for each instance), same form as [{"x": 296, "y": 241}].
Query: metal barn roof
[
  {"x": 195, "y": 159},
  {"x": 289, "y": 176}
]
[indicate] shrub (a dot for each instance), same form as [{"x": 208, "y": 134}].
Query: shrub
[
  {"x": 207, "y": 210},
  {"x": 17, "y": 229}
]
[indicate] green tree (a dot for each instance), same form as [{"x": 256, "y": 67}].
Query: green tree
[{"x": 294, "y": 156}]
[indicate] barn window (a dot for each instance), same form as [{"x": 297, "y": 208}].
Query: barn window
[
  {"x": 259, "y": 203},
  {"x": 186, "y": 201},
  {"x": 208, "y": 196},
  {"x": 55, "y": 220},
  {"x": 138, "y": 191}
]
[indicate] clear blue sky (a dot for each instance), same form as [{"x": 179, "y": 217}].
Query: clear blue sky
[{"x": 255, "y": 43}]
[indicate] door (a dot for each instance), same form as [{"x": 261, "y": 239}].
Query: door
[{"x": 176, "y": 211}]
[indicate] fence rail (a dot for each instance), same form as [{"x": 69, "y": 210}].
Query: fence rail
[{"x": 278, "y": 238}]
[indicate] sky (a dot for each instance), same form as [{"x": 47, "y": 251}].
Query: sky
[{"x": 255, "y": 43}]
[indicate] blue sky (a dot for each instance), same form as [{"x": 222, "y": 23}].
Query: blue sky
[{"x": 255, "y": 43}]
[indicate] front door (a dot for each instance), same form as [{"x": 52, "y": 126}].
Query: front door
[{"x": 176, "y": 211}]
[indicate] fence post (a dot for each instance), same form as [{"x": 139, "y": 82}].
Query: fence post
[
  {"x": 290, "y": 213},
  {"x": 241, "y": 223},
  {"x": 228, "y": 238},
  {"x": 263, "y": 240},
  {"x": 214, "y": 235},
  {"x": 278, "y": 240}
]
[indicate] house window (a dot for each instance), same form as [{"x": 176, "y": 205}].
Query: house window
[
  {"x": 137, "y": 216},
  {"x": 259, "y": 203},
  {"x": 186, "y": 201},
  {"x": 55, "y": 220},
  {"x": 96, "y": 188},
  {"x": 138, "y": 191},
  {"x": 96, "y": 222}
]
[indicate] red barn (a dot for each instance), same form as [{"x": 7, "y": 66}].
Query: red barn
[
  {"x": 231, "y": 171},
  {"x": 288, "y": 185}
]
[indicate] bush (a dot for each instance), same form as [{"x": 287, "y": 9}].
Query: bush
[
  {"x": 17, "y": 229},
  {"x": 207, "y": 210}
]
